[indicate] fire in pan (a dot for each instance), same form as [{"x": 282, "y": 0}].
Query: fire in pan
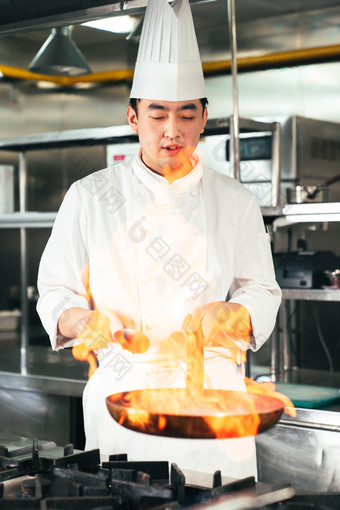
[{"x": 195, "y": 412}]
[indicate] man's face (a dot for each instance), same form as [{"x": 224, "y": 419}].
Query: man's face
[{"x": 168, "y": 132}]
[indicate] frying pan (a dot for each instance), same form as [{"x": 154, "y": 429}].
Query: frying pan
[{"x": 195, "y": 412}]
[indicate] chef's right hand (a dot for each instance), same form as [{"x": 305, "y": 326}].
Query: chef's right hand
[{"x": 91, "y": 327}]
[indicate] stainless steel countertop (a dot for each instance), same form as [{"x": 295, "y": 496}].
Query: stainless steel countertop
[
  {"x": 60, "y": 374},
  {"x": 47, "y": 371}
]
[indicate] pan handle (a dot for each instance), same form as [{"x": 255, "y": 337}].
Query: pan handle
[
  {"x": 332, "y": 180},
  {"x": 195, "y": 361}
]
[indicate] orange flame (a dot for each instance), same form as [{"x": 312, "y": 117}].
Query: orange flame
[
  {"x": 177, "y": 412},
  {"x": 161, "y": 422},
  {"x": 94, "y": 331},
  {"x": 223, "y": 324},
  {"x": 180, "y": 166},
  {"x": 234, "y": 329},
  {"x": 197, "y": 412},
  {"x": 201, "y": 413},
  {"x": 268, "y": 388},
  {"x": 82, "y": 354}
]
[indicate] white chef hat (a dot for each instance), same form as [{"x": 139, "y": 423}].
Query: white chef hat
[{"x": 168, "y": 66}]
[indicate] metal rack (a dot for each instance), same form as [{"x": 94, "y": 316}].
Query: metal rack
[
  {"x": 297, "y": 214},
  {"x": 25, "y": 219},
  {"x": 280, "y": 352},
  {"x": 92, "y": 137},
  {"x": 311, "y": 294},
  {"x": 322, "y": 212}
]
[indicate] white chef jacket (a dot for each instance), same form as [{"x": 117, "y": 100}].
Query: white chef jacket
[{"x": 153, "y": 251}]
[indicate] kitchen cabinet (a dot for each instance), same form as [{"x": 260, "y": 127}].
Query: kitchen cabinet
[
  {"x": 302, "y": 451},
  {"x": 47, "y": 401}
]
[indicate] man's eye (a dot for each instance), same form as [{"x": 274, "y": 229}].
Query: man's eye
[
  {"x": 157, "y": 118},
  {"x": 188, "y": 118}
]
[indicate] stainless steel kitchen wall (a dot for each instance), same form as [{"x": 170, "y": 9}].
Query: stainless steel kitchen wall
[{"x": 26, "y": 108}]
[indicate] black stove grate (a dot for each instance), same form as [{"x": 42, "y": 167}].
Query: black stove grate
[{"x": 33, "y": 478}]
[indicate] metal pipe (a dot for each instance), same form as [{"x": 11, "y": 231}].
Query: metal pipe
[
  {"x": 285, "y": 339},
  {"x": 22, "y": 182},
  {"x": 276, "y": 165},
  {"x": 293, "y": 154},
  {"x": 234, "y": 127},
  {"x": 275, "y": 60},
  {"x": 275, "y": 348},
  {"x": 23, "y": 265}
]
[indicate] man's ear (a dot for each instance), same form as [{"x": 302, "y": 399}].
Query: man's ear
[
  {"x": 132, "y": 119},
  {"x": 204, "y": 119}
]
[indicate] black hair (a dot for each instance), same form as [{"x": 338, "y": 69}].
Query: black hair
[{"x": 133, "y": 103}]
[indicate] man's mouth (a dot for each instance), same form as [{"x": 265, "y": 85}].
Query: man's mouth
[{"x": 172, "y": 149}]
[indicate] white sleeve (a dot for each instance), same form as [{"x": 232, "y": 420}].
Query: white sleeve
[
  {"x": 254, "y": 285},
  {"x": 63, "y": 267}
]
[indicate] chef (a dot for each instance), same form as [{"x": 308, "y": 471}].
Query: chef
[{"x": 157, "y": 248}]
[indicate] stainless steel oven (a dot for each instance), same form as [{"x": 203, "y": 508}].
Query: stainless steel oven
[{"x": 308, "y": 149}]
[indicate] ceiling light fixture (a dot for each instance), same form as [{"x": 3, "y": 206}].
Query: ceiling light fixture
[
  {"x": 47, "y": 85},
  {"x": 135, "y": 33},
  {"x": 117, "y": 24},
  {"x": 59, "y": 56}
]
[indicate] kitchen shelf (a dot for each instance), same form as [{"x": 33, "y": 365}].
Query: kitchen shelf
[
  {"x": 311, "y": 294},
  {"x": 114, "y": 134},
  {"x": 27, "y": 220},
  {"x": 268, "y": 211},
  {"x": 70, "y": 138},
  {"x": 299, "y": 214},
  {"x": 280, "y": 349},
  {"x": 222, "y": 126},
  {"x": 308, "y": 213}
]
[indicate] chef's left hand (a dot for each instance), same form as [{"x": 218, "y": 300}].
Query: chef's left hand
[{"x": 222, "y": 323}]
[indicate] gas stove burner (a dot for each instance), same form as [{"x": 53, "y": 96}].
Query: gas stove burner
[
  {"x": 35, "y": 487},
  {"x": 39, "y": 475}
]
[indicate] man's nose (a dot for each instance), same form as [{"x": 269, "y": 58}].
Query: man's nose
[{"x": 171, "y": 128}]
